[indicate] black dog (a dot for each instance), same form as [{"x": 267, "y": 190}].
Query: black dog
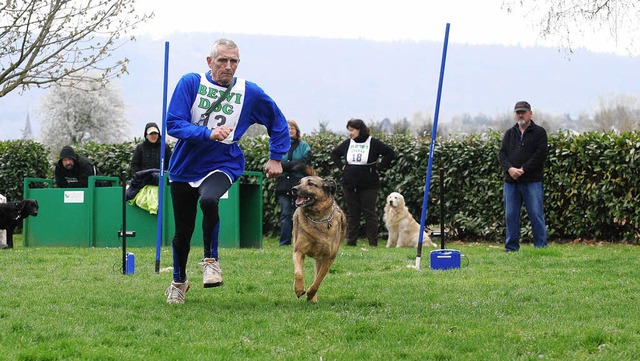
[{"x": 12, "y": 214}]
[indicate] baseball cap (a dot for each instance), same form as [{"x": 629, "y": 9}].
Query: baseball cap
[
  {"x": 153, "y": 130},
  {"x": 522, "y": 105}
]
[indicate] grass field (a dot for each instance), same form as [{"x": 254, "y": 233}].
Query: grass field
[{"x": 568, "y": 302}]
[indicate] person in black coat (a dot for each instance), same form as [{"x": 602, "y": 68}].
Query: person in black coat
[
  {"x": 73, "y": 170},
  {"x": 360, "y": 158},
  {"x": 147, "y": 154},
  {"x": 145, "y": 161},
  {"x": 522, "y": 156}
]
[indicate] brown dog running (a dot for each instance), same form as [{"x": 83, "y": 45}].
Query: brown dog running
[{"x": 319, "y": 226}]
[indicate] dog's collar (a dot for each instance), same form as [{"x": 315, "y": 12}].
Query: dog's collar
[
  {"x": 326, "y": 220},
  {"x": 20, "y": 212}
]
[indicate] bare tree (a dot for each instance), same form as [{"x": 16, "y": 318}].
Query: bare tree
[
  {"x": 46, "y": 42},
  {"x": 421, "y": 124},
  {"x": 401, "y": 126},
  {"x": 567, "y": 20},
  {"x": 619, "y": 113},
  {"x": 87, "y": 112},
  {"x": 376, "y": 126},
  {"x": 323, "y": 127}
]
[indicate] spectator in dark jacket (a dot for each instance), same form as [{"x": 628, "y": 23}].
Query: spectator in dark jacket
[
  {"x": 73, "y": 170},
  {"x": 293, "y": 169},
  {"x": 522, "y": 155},
  {"x": 360, "y": 158},
  {"x": 145, "y": 162},
  {"x": 147, "y": 154}
]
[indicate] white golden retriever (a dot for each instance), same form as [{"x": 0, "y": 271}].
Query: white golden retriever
[{"x": 403, "y": 228}]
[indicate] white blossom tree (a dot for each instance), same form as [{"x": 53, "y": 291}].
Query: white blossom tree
[{"x": 86, "y": 112}]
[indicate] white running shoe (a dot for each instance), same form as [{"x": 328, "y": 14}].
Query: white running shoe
[
  {"x": 211, "y": 273},
  {"x": 175, "y": 292}
]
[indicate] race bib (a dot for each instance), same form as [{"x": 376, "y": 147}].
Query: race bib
[
  {"x": 226, "y": 113},
  {"x": 358, "y": 153}
]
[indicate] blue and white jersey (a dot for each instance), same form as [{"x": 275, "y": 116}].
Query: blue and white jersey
[
  {"x": 226, "y": 113},
  {"x": 195, "y": 155}
]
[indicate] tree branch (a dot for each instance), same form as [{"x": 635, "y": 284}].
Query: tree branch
[{"x": 61, "y": 42}]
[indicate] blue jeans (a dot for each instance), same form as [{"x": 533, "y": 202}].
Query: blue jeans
[
  {"x": 532, "y": 195},
  {"x": 287, "y": 207}
]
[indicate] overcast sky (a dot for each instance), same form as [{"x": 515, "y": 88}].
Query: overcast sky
[
  {"x": 477, "y": 22},
  {"x": 472, "y": 21}
]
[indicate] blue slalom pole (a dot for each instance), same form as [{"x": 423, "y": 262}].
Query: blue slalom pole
[
  {"x": 434, "y": 131},
  {"x": 161, "y": 181}
]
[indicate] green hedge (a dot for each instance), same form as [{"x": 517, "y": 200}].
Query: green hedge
[
  {"x": 408, "y": 176},
  {"x": 20, "y": 159},
  {"x": 591, "y": 185},
  {"x": 593, "y": 182}
]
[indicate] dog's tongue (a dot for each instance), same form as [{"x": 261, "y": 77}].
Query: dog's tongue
[{"x": 300, "y": 201}]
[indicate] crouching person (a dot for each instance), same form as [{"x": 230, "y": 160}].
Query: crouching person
[{"x": 73, "y": 170}]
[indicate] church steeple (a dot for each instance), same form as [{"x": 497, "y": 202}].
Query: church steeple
[{"x": 26, "y": 132}]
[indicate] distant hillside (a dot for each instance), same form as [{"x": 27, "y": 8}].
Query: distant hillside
[{"x": 325, "y": 80}]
